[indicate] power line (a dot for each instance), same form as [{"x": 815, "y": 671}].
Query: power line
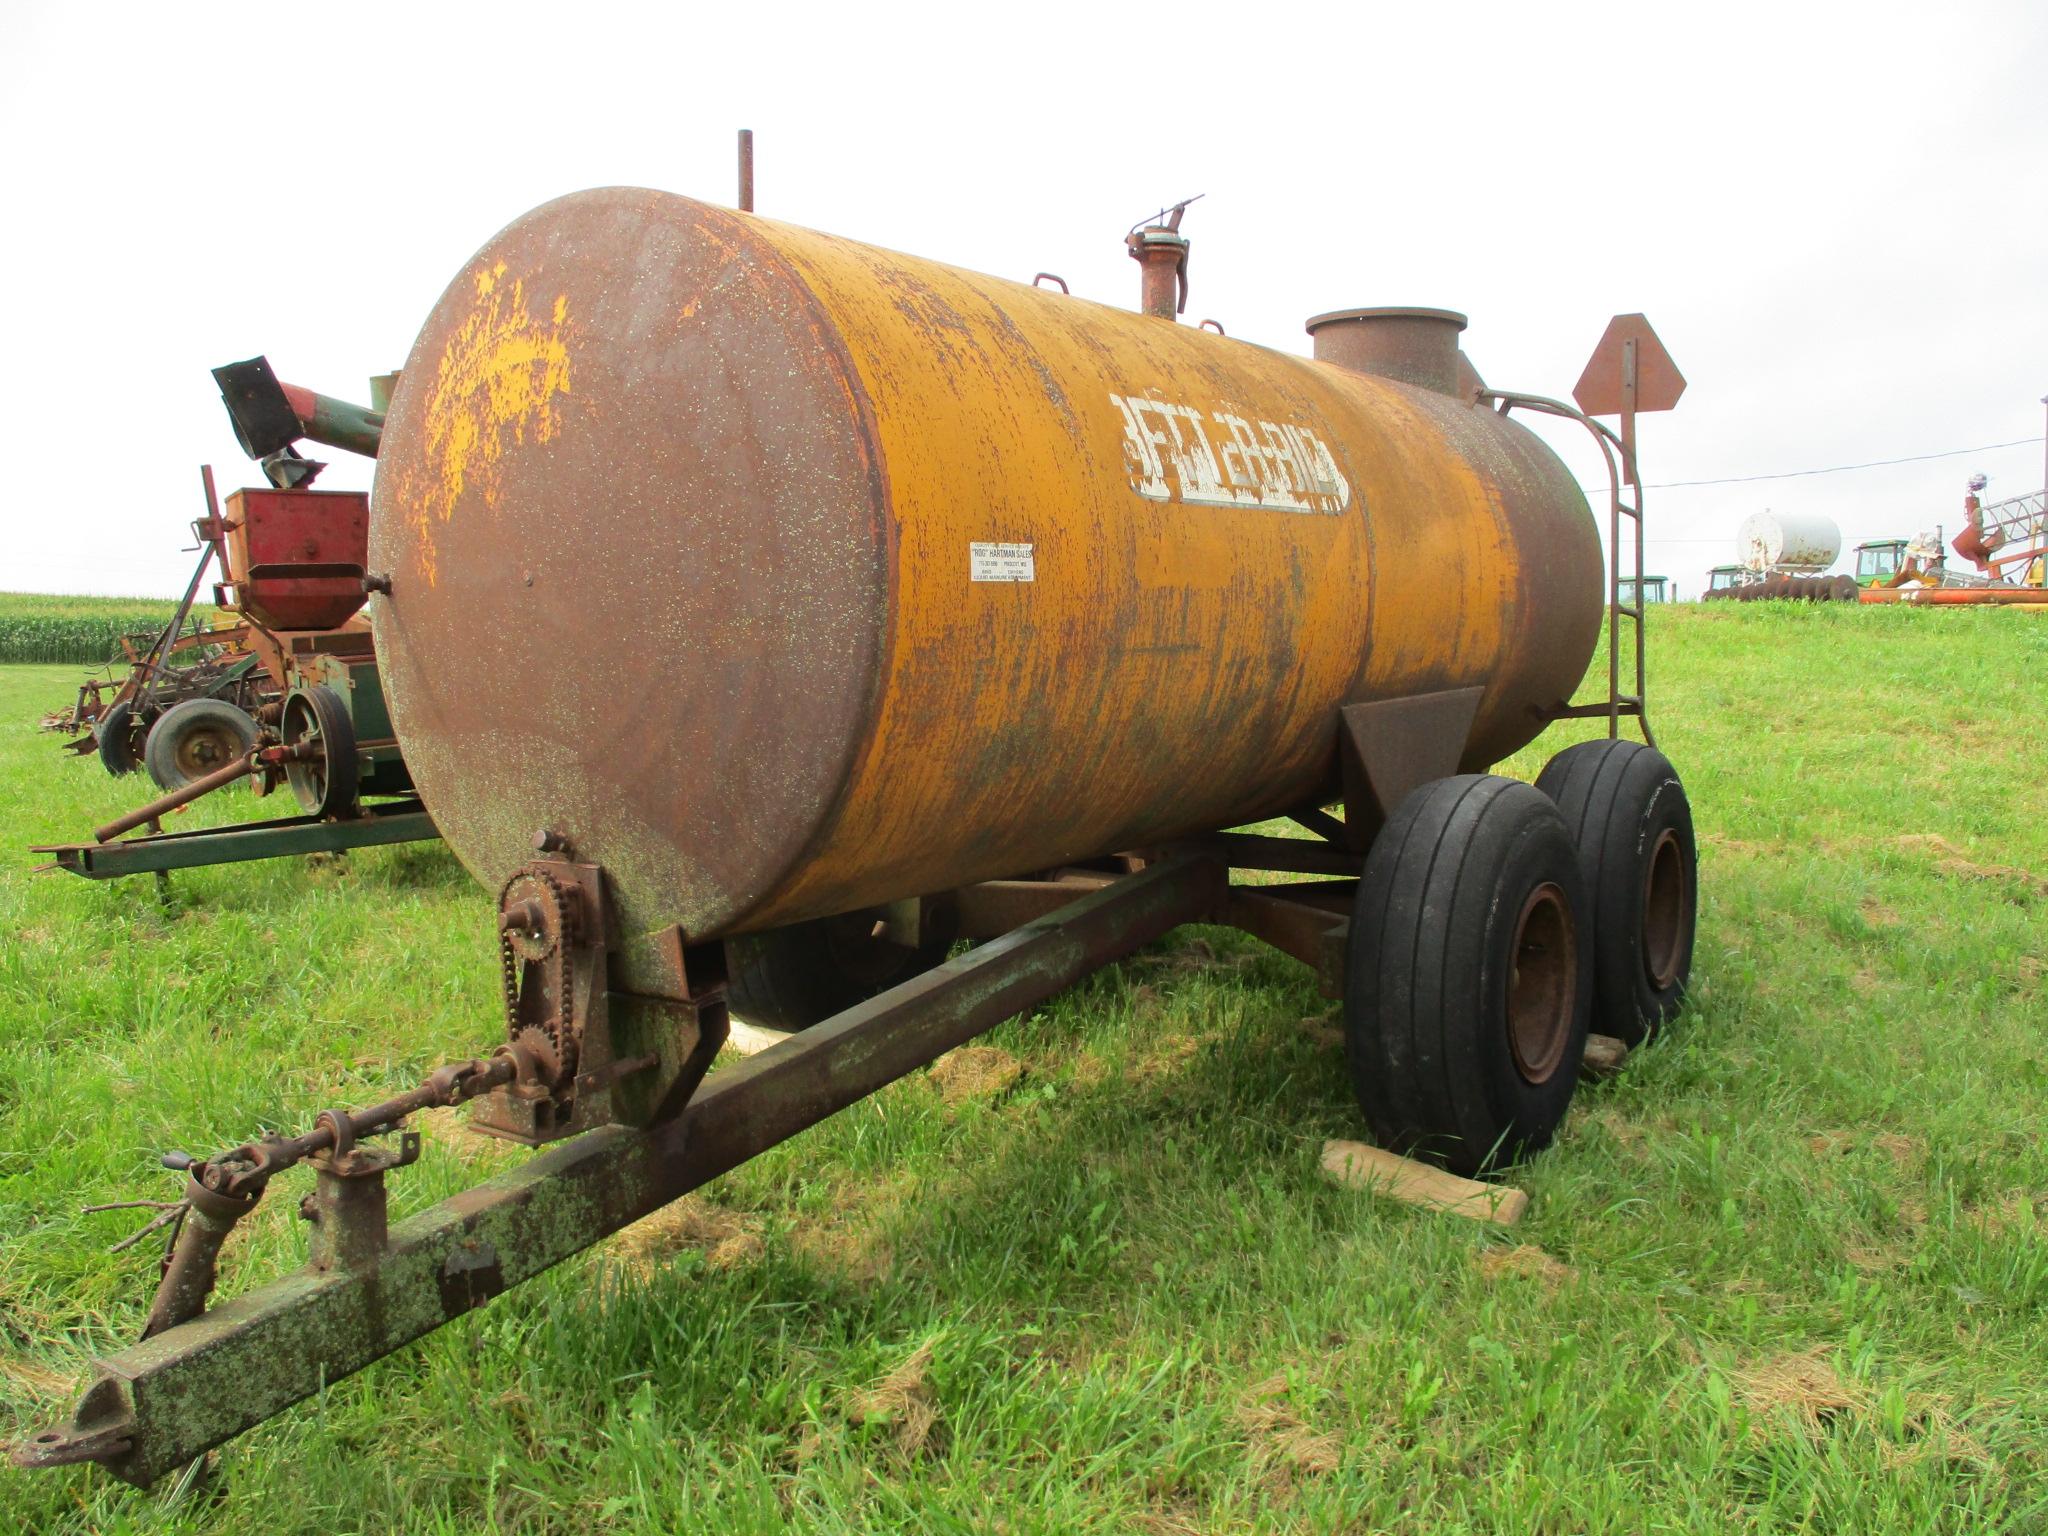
[{"x": 1836, "y": 469}]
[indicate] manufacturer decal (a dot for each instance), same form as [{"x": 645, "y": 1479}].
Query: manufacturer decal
[{"x": 1216, "y": 459}]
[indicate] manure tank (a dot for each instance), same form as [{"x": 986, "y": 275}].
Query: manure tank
[{"x": 783, "y": 575}]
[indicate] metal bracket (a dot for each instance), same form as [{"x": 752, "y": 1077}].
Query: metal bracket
[
  {"x": 347, "y": 1207},
  {"x": 1391, "y": 746}
]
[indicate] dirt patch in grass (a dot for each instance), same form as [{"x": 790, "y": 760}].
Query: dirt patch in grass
[
  {"x": 727, "y": 1239},
  {"x": 1747, "y": 847},
  {"x": 2016, "y": 1211},
  {"x": 1953, "y": 861},
  {"x": 975, "y": 1072},
  {"x": 1169, "y": 1054},
  {"x": 1284, "y": 1447},
  {"x": 1323, "y": 1034},
  {"x": 903, "y": 1400}
]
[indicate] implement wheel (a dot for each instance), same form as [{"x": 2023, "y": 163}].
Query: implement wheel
[
  {"x": 116, "y": 734},
  {"x": 1469, "y": 977},
  {"x": 192, "y": 739},
  {"x": 1628, "y": 815},
  {"x": 324, "y": 784},
  {"x": 792, "y": 978}
]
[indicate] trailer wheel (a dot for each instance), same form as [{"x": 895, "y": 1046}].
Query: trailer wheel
[
  {"x": 792, "y": 978},
  {"x": 324, "y": 784},
  {"x": 116, "y": 733},
  {"x": 1469, "y": 976},
  {"x": 192, "y": 739},
  {"x": 1629, "y": 816}
]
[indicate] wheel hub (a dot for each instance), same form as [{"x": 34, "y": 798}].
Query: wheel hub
[
  {"x": 1665, "y": 911},
  {"x": 203, "y": 749},
  {"x": 1542, "y": 983}
]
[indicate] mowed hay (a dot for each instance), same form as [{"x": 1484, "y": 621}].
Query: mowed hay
[
  {"x": 1282, "y": 1445},
  {"x": 1523, "y": 1261},
  {"x": 727, "y": 1239},
  {"x": 903, "y": 1400},
  {"x": 1804, "y": 1387},
  {"x": 975, "y": 1072}
]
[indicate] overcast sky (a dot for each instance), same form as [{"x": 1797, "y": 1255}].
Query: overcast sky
[{"x": 1835, "y": 215}]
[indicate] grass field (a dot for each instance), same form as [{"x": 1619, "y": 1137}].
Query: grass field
[
  {"x": 1789, "y": 1271},
  {"x": 81, "y": 630}
]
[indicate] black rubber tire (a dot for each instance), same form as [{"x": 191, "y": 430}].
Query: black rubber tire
[
  {"x": 1435, "y": 981},
  {"x": 1629, "y": 817},
  {"x": 792, "y": 978},
  {"x": 116, "y": 733},
  {"x": 224, "y": 732},
  {"x": 327, "y": 785}
]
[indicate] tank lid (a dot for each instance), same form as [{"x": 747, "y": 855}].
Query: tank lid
[
  {"x": 1413, "y": 345},
  {"x": 1386, "y": 312}
]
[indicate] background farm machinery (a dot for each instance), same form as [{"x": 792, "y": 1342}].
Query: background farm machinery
[
  {"x": 282, "y": 689},
  {"x": 2005, "y": 543},
  {"x": 2003, "y": 550}
]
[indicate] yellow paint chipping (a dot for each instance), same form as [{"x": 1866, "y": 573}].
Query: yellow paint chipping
[{"x": 495, "y": 388}]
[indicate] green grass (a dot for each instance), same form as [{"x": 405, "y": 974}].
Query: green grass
[
  {"x": 35, "y": 627},
  {"x": 1789, "y": 1271}
]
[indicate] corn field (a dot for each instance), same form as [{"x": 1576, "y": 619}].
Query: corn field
[{"x": 84, "y": 630}]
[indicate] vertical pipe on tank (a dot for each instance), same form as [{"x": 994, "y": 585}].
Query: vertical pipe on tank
[
  {"x": 746, "y": 170},
  {"x": 1162, "y": 257}
]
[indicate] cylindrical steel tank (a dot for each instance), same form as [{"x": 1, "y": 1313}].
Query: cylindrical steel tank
[
  {"x": 782, "y": 575},
  {"x": 1788, "y": 541}
]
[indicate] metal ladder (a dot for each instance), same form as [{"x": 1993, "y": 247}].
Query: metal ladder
[{"x": 1620, "y": 456}]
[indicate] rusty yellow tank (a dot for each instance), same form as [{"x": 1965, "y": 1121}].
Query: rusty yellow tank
[{"x": 782, "y": 575}]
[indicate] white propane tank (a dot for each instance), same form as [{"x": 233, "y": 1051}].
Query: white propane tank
[{"x": 1788, "y": 541}]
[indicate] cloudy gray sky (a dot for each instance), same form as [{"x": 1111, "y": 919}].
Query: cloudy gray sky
[{"x": 1834, "y": 214}]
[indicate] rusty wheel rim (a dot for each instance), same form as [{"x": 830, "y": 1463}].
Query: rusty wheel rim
[
  {"x": 1542, "y": 983},
  {"x": 307, "y": 776},
  {"x": 1664, "y": 911},
  {"x": 202, "y": 749}
]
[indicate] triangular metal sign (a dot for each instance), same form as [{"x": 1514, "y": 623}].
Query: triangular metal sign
[{"x": 1658, "y": 381}]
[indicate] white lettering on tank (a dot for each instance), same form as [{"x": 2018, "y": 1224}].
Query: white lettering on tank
[{"x": 1174, "y": 452}]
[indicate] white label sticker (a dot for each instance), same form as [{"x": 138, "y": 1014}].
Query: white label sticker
[{"x": 1000, "y": 562}]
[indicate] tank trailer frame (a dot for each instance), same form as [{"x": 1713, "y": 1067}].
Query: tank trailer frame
[{"x": 611, "y": 1047}]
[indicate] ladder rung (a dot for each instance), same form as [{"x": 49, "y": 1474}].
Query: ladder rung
[
  {"x": 1624, "y": 507},
  {"x": 1629, "y": 613},
  {"x": 1628, "y": 705}
]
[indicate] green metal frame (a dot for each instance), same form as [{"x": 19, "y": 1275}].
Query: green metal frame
[{"x": 399, "y": 821}]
